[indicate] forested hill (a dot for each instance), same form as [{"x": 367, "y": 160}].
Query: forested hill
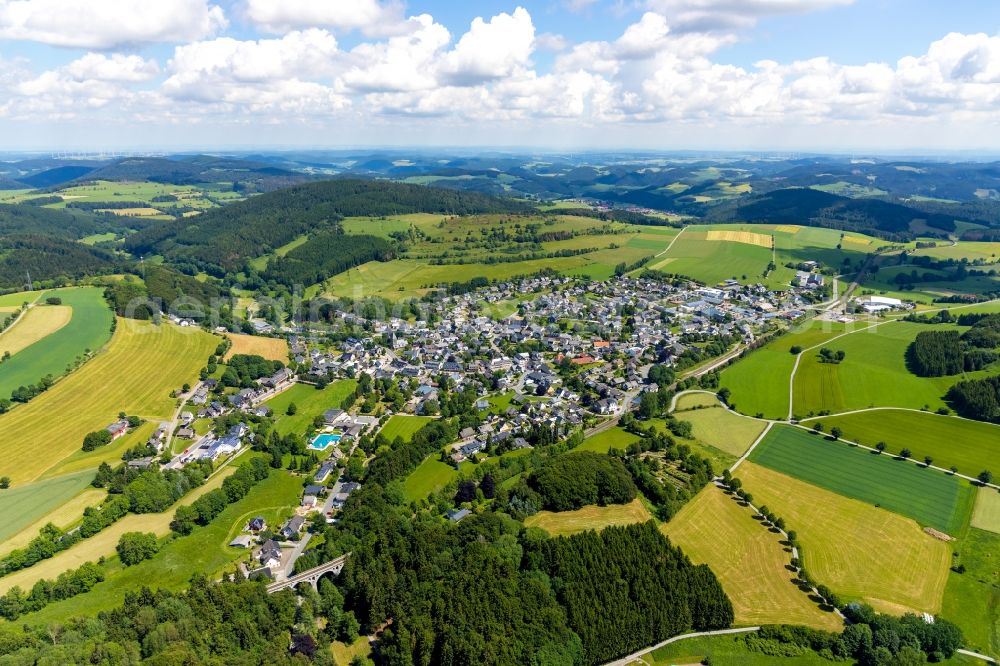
[
  {"x": 816, "y": 208},
  {"x": 48, "y": 258},
  {"x": 224, "y": 239},
  {"x": 27, "y": 219}
]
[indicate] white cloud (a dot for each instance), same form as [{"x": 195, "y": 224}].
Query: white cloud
[
  {"x": 401, "y": 63},
  {"x": 491, "y": 50},
  {"x": 104, "y": 24},
  {"x": 116, "y": 67},
  {"x": 277, "y": 74},
  {"x": 370, "y": 16}
]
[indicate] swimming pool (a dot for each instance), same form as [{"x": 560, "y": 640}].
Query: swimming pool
[{"x": 320, "y": 442}]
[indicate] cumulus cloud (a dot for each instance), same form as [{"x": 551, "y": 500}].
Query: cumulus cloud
[
  {"x": 369, "y": 16},
  {"x": 401, "y": 63},
  {"x": 277, "y": 74},
  {"x": 491, "y": 50},
  {"x": 105, "y": 24}
]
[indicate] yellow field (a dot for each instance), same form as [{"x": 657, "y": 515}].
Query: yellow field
[
  {"x": 858, "y": 550},
  {"x": 103, "y": 543},
  {"x": 275, "y": 349},
  {"x": 748, "y": 559},
  {"x": 564, "y": 523},
  {"x": 62, "y": 517},
  {"x": 34, "y": 325},
  {"x": 986, "y": 515},
  {"x": 747, "y": 237},
  {"x": 787, "y": 228},
  {"x": 136, "y": 373}
]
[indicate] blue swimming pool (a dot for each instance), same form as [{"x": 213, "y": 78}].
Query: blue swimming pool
[{"x": 320, "y": 442}]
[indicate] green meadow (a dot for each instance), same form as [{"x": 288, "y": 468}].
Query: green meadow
[
  {"x": 88, "y": 330},
  {"x": 930, "y": 497},
  {"x": 310, "y": 402},
  {"x": 403, "y": 426}
]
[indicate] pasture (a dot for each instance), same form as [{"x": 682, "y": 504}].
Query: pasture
[
  {"x": 971, "y": 446},
  {"x": 142, "y": 365},
  {"x": 565, "y": 523},
  {"x": 759, "y": 381},
  {"x": 403, "y": 426},
  {"x": 858, "y": 550},
  {"x": 986, "y": 515},
  {"x": 873, "y": 374},
  {"x": 972, "y": 599},
  {"x": 429, "y": 477},
  {"x": 751, "y": 567},
  {"x": 274, "y": 349},
  {"x": 87, "y": 331},
  {"x": 22, "y": 506},
  {"x": 310, "y": 401},
  {"x": 103, "y": 543},
  {"x": 694, "y": 399},
  {"x": 205, "y": 550},
  {"x": 35, "y": 324},
  {"x": 930, "y": 497},
  {"x": 63, "y": 516},
  {"x": 723, "y": 651},
  {"x": 711, "y": 261},
  {"x": 720, "y": 428},
  {"x": 19, "y": 298},
  {"x": 613, "y": 438}
]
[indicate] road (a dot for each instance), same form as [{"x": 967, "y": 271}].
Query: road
[{"x": 625, "y": 661}]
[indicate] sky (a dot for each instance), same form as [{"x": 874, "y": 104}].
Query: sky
[{"x": 863, "y": 76}]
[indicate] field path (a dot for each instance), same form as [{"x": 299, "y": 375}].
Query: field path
[
  {"x": 635, "y": 656},
  {"x": 760, "y": 438},
  {"x": 671, "y": 244},
  {"x": 798, "y": 358}
]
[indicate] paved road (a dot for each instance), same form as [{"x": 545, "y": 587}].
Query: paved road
[{"x": 625, "y": 661}]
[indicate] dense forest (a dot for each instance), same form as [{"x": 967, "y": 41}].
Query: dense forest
[
  {"x": 70, "y": 225},
  {"x": 324, "y": 255},
  {"x": 573, "y": 480},
  {"x": 226, "y": 238},
  {"x": 977, "y": 399},
  {"x": 163, "y": 289},
  {"x": 883, "y": 219},
  {"x": 935, "y": 354},
  {"x": 48, "y": 258}
]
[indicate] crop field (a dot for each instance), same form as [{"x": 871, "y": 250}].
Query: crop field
[
  {"x": 275, "y": 349},
  {"x": 103, "y": 543},
  {"x": 930, "y": 497},
  {"x": 736, "y": 236},
  {"x": 712, "y": 261},
  {"x": 751, "y": 566},
  {"x": 986, "y": 515},
  {"x": 113, "y": 192},
  {"x": 972, "y": 599},
  {"x": 35, "y": 324},
  {"x": 88, "y": 329},
  {"x": 19, "y": 298},
  {"x": 712, "y": 253},
  {"x": 429, "y": 477},
  {"x": 613, "y": 438},
  {"x": 142, "y": 364},
  {"x": 759, "y": 381},
  {"x": 858, "y": 550},
  {"x": 310, "y": 403},
  {"x": 63, "y": 516},
  {"x": 564, "y": 523},
  {"x": 22, "y": 506},
  {"x": 205, "y": 550},
  {"x": 718, "y": 427},
  {"x": 971, "y": 446},
  {"x": 873, "y": 374},
  {"x": 404, "y": 426}
]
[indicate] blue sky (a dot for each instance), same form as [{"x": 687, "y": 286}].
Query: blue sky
[{"x": 845, "y": 75}]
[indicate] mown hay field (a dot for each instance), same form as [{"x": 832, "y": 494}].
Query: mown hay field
[
  {"x": 750, "y": 561},
  {"x": 858, "y": 550}
]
